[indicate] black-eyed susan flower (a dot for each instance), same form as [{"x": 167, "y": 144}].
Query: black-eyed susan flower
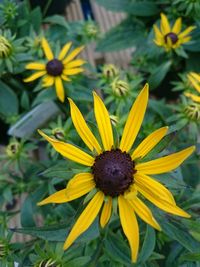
[
  {"x": 56, "y": 69},
  {"x": 117, "y": 172},
  {"x": 171, "y": 37},
  {"x": 194, "y": 78}
]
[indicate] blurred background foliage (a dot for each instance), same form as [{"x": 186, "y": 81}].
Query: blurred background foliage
[{"x": 31, "y": 169}]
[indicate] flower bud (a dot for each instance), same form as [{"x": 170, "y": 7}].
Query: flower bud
[
  {"x": 120, "y": 87},
  {"x": 193, "y": 111},
  {"x": 58, "y": 133},
  {"x": 13, "y": 149},
  {"x": 5, "y": 47},
  {"x": 114, "y": 120},
  {"x": 110, "y": 71}
]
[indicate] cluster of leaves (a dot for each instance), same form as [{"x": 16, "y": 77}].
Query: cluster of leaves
[{"x": 31, "y": 169}]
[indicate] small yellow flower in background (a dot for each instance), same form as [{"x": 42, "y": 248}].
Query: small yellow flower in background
[
  {"x": 117, "y": 172},
  {"x": 58, "y": 69},
  {"x": 171, "y": 37},
  {"x": 194, "y": 78}
]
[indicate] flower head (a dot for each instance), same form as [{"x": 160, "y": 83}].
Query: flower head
[
  {"x": 56, "y": 69},
  {"x": 194, "y": 79},
  {"x": 171, "y": 37},
  {"x": 116, "y": 172}
]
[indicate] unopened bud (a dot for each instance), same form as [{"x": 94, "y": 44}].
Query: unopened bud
[
  {"x": 120, "y": 87},
  {"x": 58, "y": 133},
  {"x": 193, "y": 111},
  {"x": 5, "y": 47},
  {"x": 110, "y": 71}
]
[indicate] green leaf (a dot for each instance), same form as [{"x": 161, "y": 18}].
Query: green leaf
[
  {"x": 148, "y": 245},
  {"x": 114, "y": 5},
  {"x": 45, "y": 95},
  {"x": 8, "y": 101},
  {"x": 144, "y": 8},
  {"x": 126, "y": 34},
  {"x": 179, "y": 233},
  {"x": 59, "y": 232},
  {"x": 190, "y": 257},
  {"x": 29, "y": 207},
  {"x": 57, "y": 19},
  {"x": 117, "y": 249},
  {"x": 80, "y": 261},
  {"x": 158, "y": 75}
]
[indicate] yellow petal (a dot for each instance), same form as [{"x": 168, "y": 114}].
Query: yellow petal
[
  {"x": 34, "y": 76},
  {"x": 86, "y": 219},
  {"x": 163, "y": 205},
  {"x": 103, "y": 122},
  {"x": 82, "y": 128},
  {"x": 129, "y": 226},
  {"x": 144, "y": 212},
  {"x": 165, "y": 27},
  {"x": 35, "y": 66},
  {"x": 64, "y": 51},
  {"x": 186, "y": 32},
  {"x": 195, "y": 76},
  {"x": 69, "y": 151},
  {"x": 48, "y": 81},
  {"x": 58, "y": 197},
  {"x": 80, "y": 185},
  {"x": 149, "y": 143},
  {"x": 154, "y": 187},
  {"x": 185, "y": 39},
  {"x": 79, "y": 178},
  {"x": 134, "y": 120},
  {"x": 193, "y": 97},
  {"x": 195, "y": 80},
  {"x": 165, "y": 164},
  {"x": 60, "y": 92},
  {"x": 65, "y": 78},
  {"x": 106, "y": 212},
  {"x": 177, "y": 26},
  {"x": 75, "y": 63},
  {"x": 73, "y": 54},
  {"x": 157, "y": 32},
  {"x": 47, "y": 50},
  {"x": 72, "y": 71}
]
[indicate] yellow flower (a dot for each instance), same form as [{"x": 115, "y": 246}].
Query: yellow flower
[
  {"x": 117, "y": 173},
  {"x": 171, "y": 37},
  {"x": 58, "y": 69},
  {"x": 194, "y": 78}
]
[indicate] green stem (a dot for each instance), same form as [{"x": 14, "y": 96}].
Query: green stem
[{"x": 46, "y": 8}]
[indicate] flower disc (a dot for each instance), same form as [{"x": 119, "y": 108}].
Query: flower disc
[{"x": 113, "y": 172}]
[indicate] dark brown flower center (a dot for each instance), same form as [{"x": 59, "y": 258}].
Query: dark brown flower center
[
  {"x": 113, "y": 172},
  {"x": 173, "y": 37},
  {"x": 54, "y": 67}
]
